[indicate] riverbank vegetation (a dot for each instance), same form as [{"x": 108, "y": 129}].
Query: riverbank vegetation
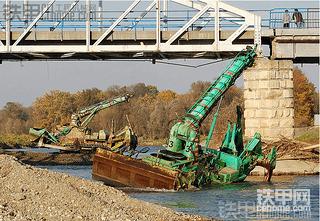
[
  {"x": 151, "y": 112},
  {"x": 309, "y": 136}
]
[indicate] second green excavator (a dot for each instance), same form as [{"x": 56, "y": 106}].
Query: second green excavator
[{"x": 77, "y": 135}]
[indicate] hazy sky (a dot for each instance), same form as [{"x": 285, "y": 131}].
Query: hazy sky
[{"x": 24, "y": 81}]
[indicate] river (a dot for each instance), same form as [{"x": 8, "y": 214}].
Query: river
[
  {"x": 237, "y": 201},
  {"x": 285, "y": 198}
]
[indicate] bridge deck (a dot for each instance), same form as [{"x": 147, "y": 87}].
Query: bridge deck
[
  {"x": 119, "y": 45},
  {"x": 71, "y": 45},
  {"x": 148, "y": 30}
]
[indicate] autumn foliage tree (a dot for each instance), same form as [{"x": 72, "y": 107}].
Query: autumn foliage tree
[
  {"x": 166, "y": 95},
  {"x": 304, "y": 99},
  {"x": 150, "y": 112},
  {"x": 53, "y": 109},
  {"x": 14, "y": 118}
]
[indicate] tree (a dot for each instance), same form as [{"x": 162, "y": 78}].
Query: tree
[
  {"x": 147, "y": 99},
  {"x": 89, "y": 97},
  {"x": 15, "y": 110},
  {"x": 151, "y": 113},
  {"x": 139, "y": 89},
  {"x": 166, "y": 95},
  {"x": 303, "y": 99},
  {"x": 53, "y": 109},
  {"x": 158, "y": 121},
  {"x": 14, "y": 118},
  {"x": 153, "y": 90},
  {"x": 114, "y": 90},
  {"x": 315, "y": 98}
]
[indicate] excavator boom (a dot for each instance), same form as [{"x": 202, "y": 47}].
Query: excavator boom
[
  {"x": 184, "y": 135},
  {"x": 93, "y": 109},
  {"x": 219, "y": 87}
]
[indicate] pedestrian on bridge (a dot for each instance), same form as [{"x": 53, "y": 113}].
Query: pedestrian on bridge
[
  {"x": 286, "y": 19},
  {"x": 297, "y": 17}
]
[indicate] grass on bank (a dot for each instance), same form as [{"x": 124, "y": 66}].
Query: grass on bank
[
  {"x": 11, "y": 140},
  {"x": 311, "y": 137}
]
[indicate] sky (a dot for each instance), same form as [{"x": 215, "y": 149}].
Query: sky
[{"x": 24, "y": 81}]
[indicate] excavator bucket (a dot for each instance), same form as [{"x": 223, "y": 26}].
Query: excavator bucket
[{"x": 36, "y": 135}]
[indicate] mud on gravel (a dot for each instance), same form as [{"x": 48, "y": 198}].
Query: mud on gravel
[
  {"x": 58, "y": 158},
  {"x": 30, "y": 193}
]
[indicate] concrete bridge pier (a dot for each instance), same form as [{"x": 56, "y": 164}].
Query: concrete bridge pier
[{"x": 268, "y": 93}]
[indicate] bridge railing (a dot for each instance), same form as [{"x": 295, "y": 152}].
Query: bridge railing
[
  {"x": 310, "y": 18},
  {"x": 171, "y": 20},
  {"x": 174, "y": 20}
]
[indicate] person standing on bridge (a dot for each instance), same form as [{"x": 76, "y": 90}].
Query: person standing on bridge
[
  {"x": 297, "y": 17},
  {"x": 286, "y": 19}
]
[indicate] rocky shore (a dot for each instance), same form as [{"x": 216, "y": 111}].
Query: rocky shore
[{"x": 30, "y": 193}]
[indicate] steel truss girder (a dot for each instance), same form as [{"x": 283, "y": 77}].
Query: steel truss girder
[
  {"x": 27, "y": 30},
  {"x": 134, "y": 4},
  {"x": 204, "y": 6},
  {"x": 143, "y": 14},
  {"x": 186, "y": 26},
  {"x": 250, "y": 18},
  {"x": 64, "y": 15}
]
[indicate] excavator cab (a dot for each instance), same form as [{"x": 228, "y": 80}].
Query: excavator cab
[{"x": 184, "y": 139}]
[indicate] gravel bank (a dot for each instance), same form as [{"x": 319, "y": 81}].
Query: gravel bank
[{"x": 30, "y": 193}]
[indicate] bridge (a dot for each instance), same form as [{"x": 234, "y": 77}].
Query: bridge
[
  {"x": 175, "y": 29},
  {"x": 209, "y": 29}
]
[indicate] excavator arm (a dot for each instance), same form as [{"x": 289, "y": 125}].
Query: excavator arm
[{"x": 92, "y": 110}]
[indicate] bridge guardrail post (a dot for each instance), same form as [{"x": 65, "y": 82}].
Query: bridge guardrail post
[{"x": 8, "y": 25}]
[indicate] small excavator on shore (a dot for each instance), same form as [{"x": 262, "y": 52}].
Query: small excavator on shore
[
  {"x": 77, "y": 136},
  {"x": 184, "y": 163}
]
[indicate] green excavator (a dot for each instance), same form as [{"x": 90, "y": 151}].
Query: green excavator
[
  {"x": 77, "y": 136},
  {"x": 184, "y": 163}
]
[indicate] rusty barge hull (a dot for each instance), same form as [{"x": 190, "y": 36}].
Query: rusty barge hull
[{"x": 121, "y": 171}]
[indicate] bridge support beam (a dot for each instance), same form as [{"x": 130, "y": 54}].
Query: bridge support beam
[{"x": 268, "y": 93}]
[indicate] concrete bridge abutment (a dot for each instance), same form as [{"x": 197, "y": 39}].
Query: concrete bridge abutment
[{"x": 268, "y": 94}]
